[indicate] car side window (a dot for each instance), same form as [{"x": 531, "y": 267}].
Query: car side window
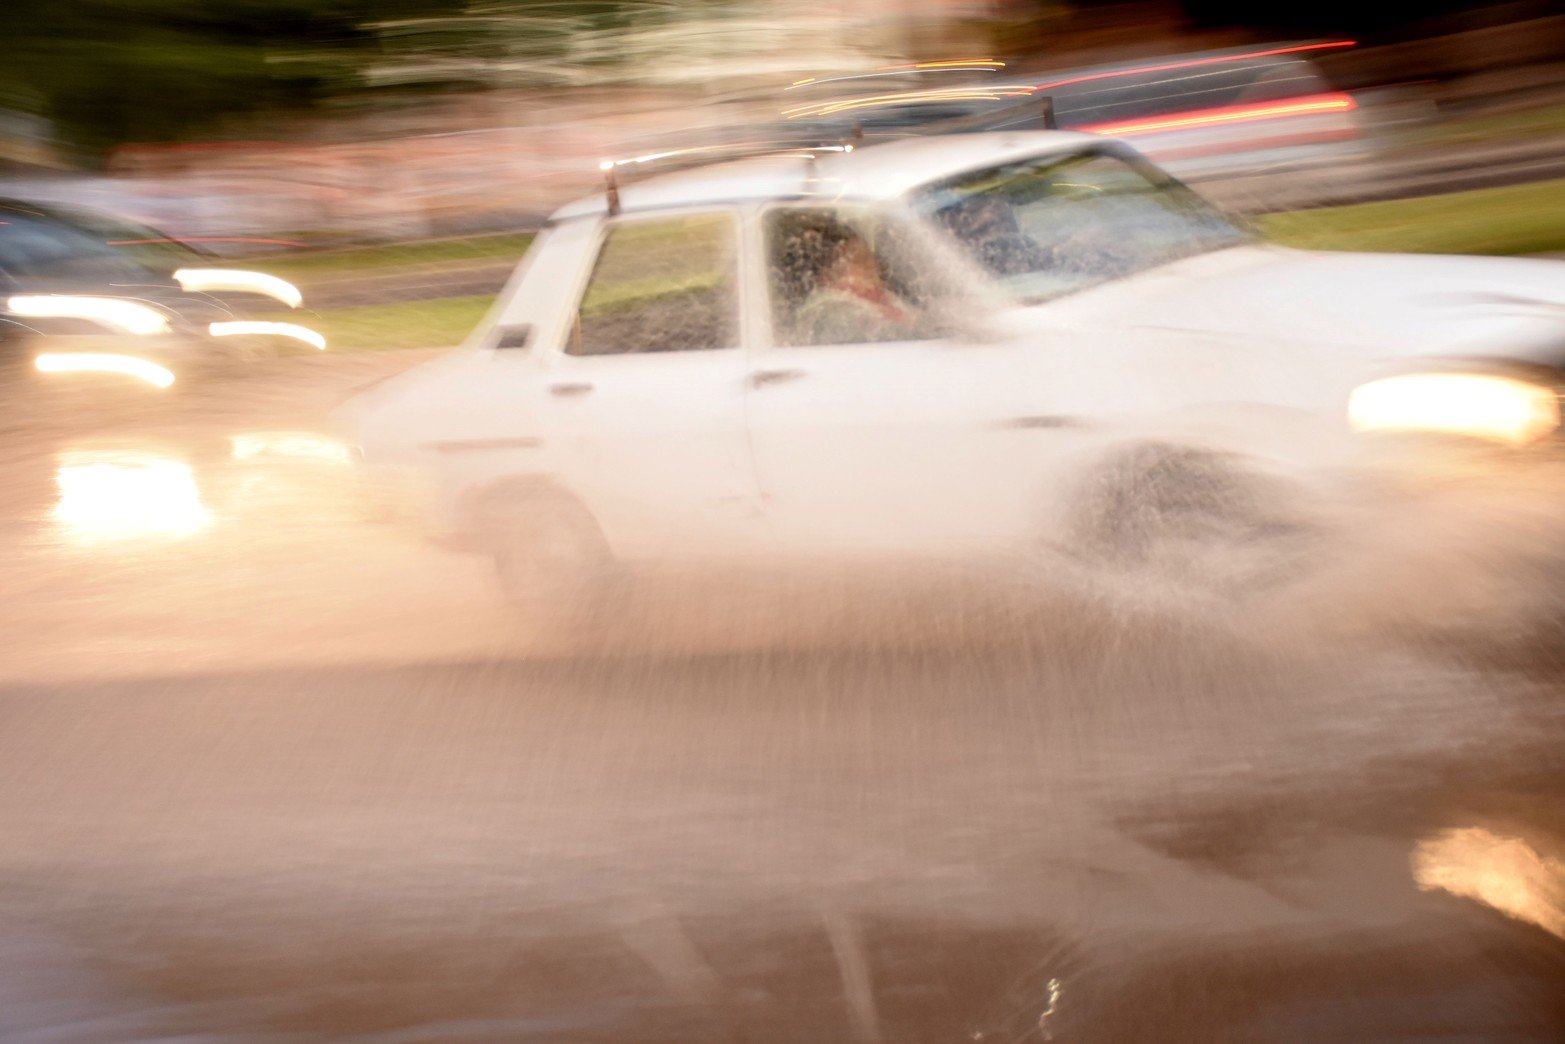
[
  {"x": 839, "y": 276},
  {"x": 662, "y": 285}
]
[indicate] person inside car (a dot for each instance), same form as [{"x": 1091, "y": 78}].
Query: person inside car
[
  {"x": 989, "y": 229},
  {"x": 850, "y": 302}
]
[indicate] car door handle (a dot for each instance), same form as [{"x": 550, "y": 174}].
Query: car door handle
[
  {"x": 1042, "y": 420},
  {"x": 570, "y": 388},
  {"x": 761, "y": 378}
]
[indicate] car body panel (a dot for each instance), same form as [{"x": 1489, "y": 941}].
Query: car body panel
[{"x": 974, "y": 440}]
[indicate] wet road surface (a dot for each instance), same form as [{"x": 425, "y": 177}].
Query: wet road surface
[{"x": 272, "y": 770}]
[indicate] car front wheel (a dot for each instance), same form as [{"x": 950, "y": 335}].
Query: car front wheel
[{"x": 1192, "y": 517}]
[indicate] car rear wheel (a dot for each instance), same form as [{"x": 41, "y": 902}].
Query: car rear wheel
[{"x": 551, "y": 560}]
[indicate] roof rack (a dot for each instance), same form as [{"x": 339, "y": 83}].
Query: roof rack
[
  {"x": 1036, "y": 113},
  {"x": 676, "y": 159}
]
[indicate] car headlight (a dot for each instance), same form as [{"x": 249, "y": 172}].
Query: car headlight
[
  {"x": 209, "y": 280},
  {"x": 1502, "y": 409},
  {"x": 251, "y": 328},
  {"x": 115, "y": 313}
]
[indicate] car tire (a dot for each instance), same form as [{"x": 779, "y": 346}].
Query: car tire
[
  {"x": 551, "y": 561},
  {"x": 1196, "y": 519}
]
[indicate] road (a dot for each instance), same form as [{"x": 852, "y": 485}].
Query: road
[{"x": 272, "y": 770}]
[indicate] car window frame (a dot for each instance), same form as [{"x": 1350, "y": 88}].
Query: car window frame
[
  {"x": 1248, "y": 233},
  {"x": 894, "y": 209},
  {"x": 558, "y": 348}
]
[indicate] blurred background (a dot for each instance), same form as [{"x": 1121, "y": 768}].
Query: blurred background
[
  {"x": 274, "y": 770},
  {"x": 452, "y": 125}
]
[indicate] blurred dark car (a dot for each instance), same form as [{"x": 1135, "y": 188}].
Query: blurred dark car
[
  {"x": 85, "y": 292},
  {"x": 1216, "y": 109},
  {"x": 1213, "y": 111}
]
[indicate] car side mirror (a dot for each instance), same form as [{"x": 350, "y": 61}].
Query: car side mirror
[{"x": 513, "y": 335}]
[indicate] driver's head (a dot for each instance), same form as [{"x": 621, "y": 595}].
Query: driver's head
[{"x": 852, "y": 265}]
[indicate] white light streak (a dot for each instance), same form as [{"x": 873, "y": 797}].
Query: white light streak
[
  {"x": 206, "y": 280},
  {"x": 115, "y": 313},
  {"x": 242, "y": 328},
  {"x": 98, "y": 362}
]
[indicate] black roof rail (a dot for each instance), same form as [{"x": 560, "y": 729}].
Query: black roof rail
[{"x": 1036, "y": 113}]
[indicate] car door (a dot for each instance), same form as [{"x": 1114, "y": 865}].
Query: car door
[
  {"x": 643, "y": 399},
  {"x": 906, "y": 438}
]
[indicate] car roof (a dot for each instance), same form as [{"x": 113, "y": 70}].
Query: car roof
[{"x": 870, "y": 172}]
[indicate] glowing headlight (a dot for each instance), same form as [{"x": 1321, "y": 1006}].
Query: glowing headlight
[
  {"x": 113, "y": 312},
  {"x": 1502, "y": 409},
  {"x": 205, "y": 280}
]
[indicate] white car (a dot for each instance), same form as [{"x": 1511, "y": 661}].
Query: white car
[{"x": 1051, "y": 344}]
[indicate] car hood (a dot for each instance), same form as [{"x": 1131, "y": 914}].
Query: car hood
[{"x": 1381, "y": 306}]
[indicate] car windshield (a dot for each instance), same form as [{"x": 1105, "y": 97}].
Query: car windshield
[
  {"x": 1046, "y": 227},
  {"x": 148, "y": 246},
  {"x": 52, "y": 243}
]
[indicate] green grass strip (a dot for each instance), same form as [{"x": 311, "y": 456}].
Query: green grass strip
[
  {"x": 1514, "y": 219},
  {"x": 406, "y": 324}
]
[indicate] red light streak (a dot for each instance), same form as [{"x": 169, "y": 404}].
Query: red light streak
[
  {"x": 206, "y": 239},
  {"x": 1310, "y": 104},
  {"x": 1193, "y": 62}
]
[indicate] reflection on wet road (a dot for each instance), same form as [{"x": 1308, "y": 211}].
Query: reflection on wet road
[
  {"x": 120, "y": 495},
  {"x": 272, "y": 770}
]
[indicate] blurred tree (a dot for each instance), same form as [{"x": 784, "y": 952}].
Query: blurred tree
[
  {"x": 1353, "y": 16},
  {"x": 553, "y": 43},
  {"x": 107, "y": 72},
  {"x": 111, "y": 71},
  {"x": 116, "y": 71}
]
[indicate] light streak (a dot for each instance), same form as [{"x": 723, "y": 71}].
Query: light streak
[
  {"x": 204, "y": 280},
  {"x": 243, "y": 328},
  {"x": 992, "y": 92},
  {"x": 1231, "y": 114},
  {"x": 113, "y": 312},
  {"x": 1191, "y": 63},
  {"x": 98, "y": 362}
]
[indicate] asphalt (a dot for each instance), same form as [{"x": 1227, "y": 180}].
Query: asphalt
[{"x": 273, "y": 769}]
